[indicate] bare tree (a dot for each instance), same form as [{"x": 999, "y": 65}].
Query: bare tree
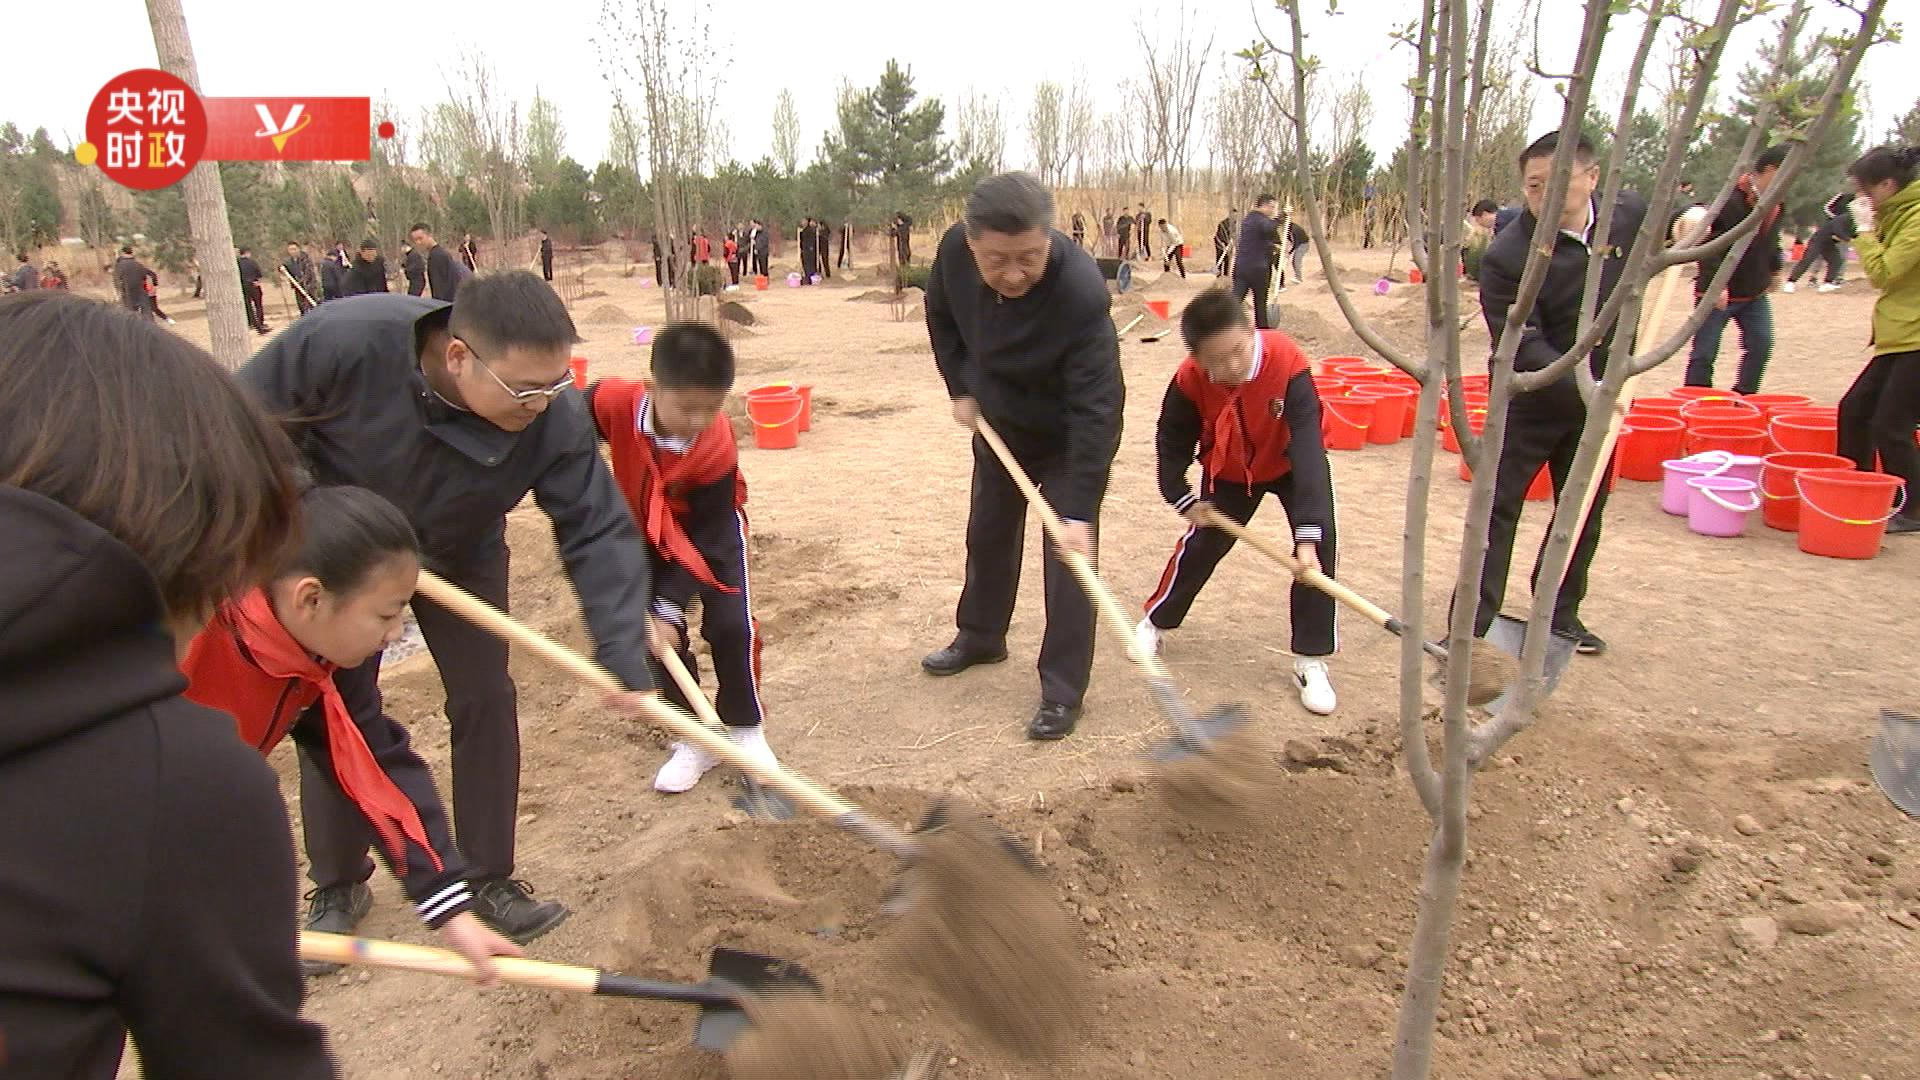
[
  {"x": 477, "y": 136},
  {"x": 1080, "y": 129},
  {"x": 1448, "y": 90},
  {"x": 786, "y": 134},
  {"x": 1046, "y": 133},
  {"x": 1244, "y": 130},
  {"x": 980, "y": 134},
  {"x": 1176, "y": 69},
  {"x": 206, "y": 200}
]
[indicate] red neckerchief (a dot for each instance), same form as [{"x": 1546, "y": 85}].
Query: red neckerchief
[
  {"x": 658, "y": 495},
  {"x": 274, "y": 651},
  {"x": 1752, "y": 191}
]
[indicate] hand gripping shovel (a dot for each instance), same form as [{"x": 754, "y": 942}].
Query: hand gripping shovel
[
  {"x": 1895, "y": 760},
  {"x": 1492, "y": 669},
  {"x": 1192, "y": 736},
  {"x": 978, "y": 894},
  {"x": 733, "y": 980}
]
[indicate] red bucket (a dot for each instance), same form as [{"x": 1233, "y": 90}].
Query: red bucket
[
  {"x": 1331, "y": 364},
  {"x": 577, "y": 367},
  {"x": 1360, "y": 372},
  {"x": 1646, "y": 442},
  {"x": 1779, "y": 489},
  {"x": 1741, "y": 439},
  {"x": 1657, "y": 406},
  {"x": 1160, "y": 308},
  {"x": 1844, "y": 513},
  {"x": 1330, "y": 386},
  {"x": 1804, "y": 432},
  {"x": 1768, "y": 404},
  {"x": 1390, "y": 414},
  {"x": 1719, "y": 413},
  {"x": 1541, "y": 488},
  {"x": 1701, "y": 393},
  {"x": 1345, "y": 422},
  {"x": 775, "y": 412},
  {"x": 1450, "y": 438},
  {"x": 760, "y": 282},
  {"x": 806, "y": 399}
]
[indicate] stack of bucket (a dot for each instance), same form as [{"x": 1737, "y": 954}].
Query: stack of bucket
[{"x": 779, "y": 412}]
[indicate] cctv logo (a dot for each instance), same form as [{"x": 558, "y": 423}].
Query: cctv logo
[{"x": 279, "y": 132}]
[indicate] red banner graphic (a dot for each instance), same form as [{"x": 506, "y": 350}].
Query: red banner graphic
[{"x": 289, "y": 128}]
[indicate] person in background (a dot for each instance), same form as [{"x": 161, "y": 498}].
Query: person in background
[
  {"x": 1253, "y": 257},
  {"x": 1223, "y": 243},
  {"x": 1170, "y": 241},
  {"x": 1123, "y": 236},
  {"x": 1079, "y": 229},
  {"x": 809, "y": 251},
  {"x": 52, "y": 277},
  {"x": 1882, "y": 407},
  {"x": 414, "y": 269},
  {"x": 300, "y": 272},
  {"x": 130, "y": 281},
  {"x": 845, "y": 256},
  {"x": 1484, "y": 214},
  {"x": 1297, "y": 239},
  {"x": 150, "y": 284},
  {"x": 252, "y": 291},
  {"x": 443, "y": 274},
  {"x": 760, "y": 245},
  {"x": 730, "y": 250},
  {"x": 1023, "y": 337},
  {"x": 1827, "y": 245},
  {"x": 369, "y": 272},
  {"x": 333, "y": 272},
  {"x": 1684, "y": 200},
  {"x": 903, "y": 238},
  {"x": 1142, "y": 224},
  {"x": 24, "y": 276},
  {"x": 823, "y": 236},
  {"x": 1109, "y": 235},
  {"x": 469, "y": 253},
  {"x": 1744, "y": 301},
  {"x": 546, "y": 258},
  {"x": 149, "y": 860}
]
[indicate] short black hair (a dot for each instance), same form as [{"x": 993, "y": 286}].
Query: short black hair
[
  {"x": 1771, "y": 158},
  {"x": 1162, "y": 221},
  {"x": 1547, "y": 144},
  {"x": 245, "y": 251},
  {"x": 508, "y": 308},
  {"x": 1485, "y": 206},
  {"x": 1207, "y": 314},
  {"x": 126, "y": 249},
  {"x": 1010, "y": 203},
  {"x": 1895, "y": 163},
  {"x": 419, "y": 226},
  {"x": 692, "y": 356},
  {"x": 369, "y": 243},
  {"x": 1263, "y": 199},
  {"x": 346, "y": 533}
]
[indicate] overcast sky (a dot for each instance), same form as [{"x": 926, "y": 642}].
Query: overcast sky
[{"x": 406, "y": 51}]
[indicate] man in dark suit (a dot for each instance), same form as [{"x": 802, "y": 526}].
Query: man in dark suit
[
  {"x": 546, "y": 255},
  {"x": 1253, "y": 257},
  {"x": 1543, "y": 427}
]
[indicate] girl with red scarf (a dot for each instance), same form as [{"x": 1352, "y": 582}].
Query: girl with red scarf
[
  {"x": 268, "y": 659},
  {"x": 673, "y": 456}
]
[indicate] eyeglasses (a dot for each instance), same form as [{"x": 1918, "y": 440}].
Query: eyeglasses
[{"x": 538, "y": 393}]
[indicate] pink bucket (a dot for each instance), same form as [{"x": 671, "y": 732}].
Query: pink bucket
[
  {"x": 1720, "y": 505},
  {"x": 1674, "y": 493}
]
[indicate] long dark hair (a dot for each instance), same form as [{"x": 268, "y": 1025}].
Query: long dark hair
[
  {"x": 1895, "y": 163},
  {"x": 347, "y": 532},
  {"x": 148, "y": 437}
]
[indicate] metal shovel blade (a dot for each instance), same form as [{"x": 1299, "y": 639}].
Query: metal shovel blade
[
  {"x": 1895, "y": 760},
  {"x": 1509, "y": 634},
  {"x": 1195, "y": 736},
  {"x": 752, "y": 975},
  {"x": 760, "y": 802}
]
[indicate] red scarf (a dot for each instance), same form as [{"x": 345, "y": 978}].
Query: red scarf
[
  {"x": 656, "y": 481},
  {"x": 1751, "y": 190},
  {"x": 239, "y": 665}
]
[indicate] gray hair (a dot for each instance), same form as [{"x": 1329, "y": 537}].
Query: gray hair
[{"x": 1009, "y": 203}]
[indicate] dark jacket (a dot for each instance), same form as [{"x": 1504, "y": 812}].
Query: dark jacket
[
  {"x": 249, "y": 270},
  {"x": 130, "y": 282},
  {"x": 444, "y": 273},
  {"x": 1253, "y": 252},
  {"x": 300, "y": 268},
  {"x": 1753, "y": 277},
  {"x": 1553, "y": 325},
  {"x": 415, "y": 269},
  {"x": 1045, "y": 368},
  {"x": 333, "y": 279},
  {"x": 367, "y": 277},
  {"x": 353, "y": 367},
  {"x": 146, "y": 874}
]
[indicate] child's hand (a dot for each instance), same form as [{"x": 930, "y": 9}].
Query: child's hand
[
  {"x": 966, "y": 412},
  {"x": 473, "y": 939},
  {"x": 1200, "y": 514},
  {"x": 1309, "y": 556},
  {"x": 662, "y": 634}
]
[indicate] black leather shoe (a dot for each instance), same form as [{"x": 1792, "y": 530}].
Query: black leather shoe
[
  {"x": 1052, "y": 722},
  {"x": 1902, "y": 523},
  {"x": 335, "y": 909},
  {"x": 507, "y": 905},
  {"x": 957, "y": 658},
  {"x": 1585, "y": 641}
]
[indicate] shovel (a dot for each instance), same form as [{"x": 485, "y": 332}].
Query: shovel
[
  {"x": 733, "y": 978},
  {"x": 1895, "y": 760},
  {"x": 1192, "y": 736},
  {"x": 754, "y": 800}
]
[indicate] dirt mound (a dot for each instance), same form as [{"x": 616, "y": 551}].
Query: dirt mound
[
  {"x": 908, "y": 295},
  {"x": 609, "y": 313},
  {"x": 737, "y": 313},
  {"x": 1313, "y": 332}
]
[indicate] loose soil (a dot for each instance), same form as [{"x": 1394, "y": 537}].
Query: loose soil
[{"x": 1681, "y": 871}]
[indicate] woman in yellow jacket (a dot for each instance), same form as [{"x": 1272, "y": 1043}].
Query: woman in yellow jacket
[{"x": 1882, "y": 408}]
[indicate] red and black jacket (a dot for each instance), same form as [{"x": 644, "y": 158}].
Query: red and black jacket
[
  {"x": 1250, "y": 435},
  {"x": 225, "y": 673},
  {"x": 687, "y": 505}
]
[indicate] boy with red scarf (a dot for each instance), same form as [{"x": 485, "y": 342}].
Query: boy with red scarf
[
  {"x": 1245, "y": 399},
  {"x": 269, "y": 660},
  {"x": 674, "y": 457},
  {"x": 1745, "y": 301}
]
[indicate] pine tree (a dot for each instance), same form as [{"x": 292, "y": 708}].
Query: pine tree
[
  {"x": 886, "y": 144},
  {"x": 1906, "y": 130}
]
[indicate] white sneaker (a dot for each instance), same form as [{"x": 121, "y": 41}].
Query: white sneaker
[
  {"x": 1788, "y": 287},
  {"x": 689, "y": 763},
  {"x": 1149, "y": 637},
  {"x": 1829, "y": 287},
  {"x": 753, "y": 740},
  {"x": 1316, "y": 690}
]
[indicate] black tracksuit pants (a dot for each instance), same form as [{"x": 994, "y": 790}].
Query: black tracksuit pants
[
  {"x": 1259, "y": 288},
  {"x": 1536, "y": 436},
  {"x": 1878, "y": 414},
  {"x": 733, "y": 635},
  {"x": 482, "y": 711},
  {"x": 996, "y": 531},
  {"x": 1200, "y": 550}
]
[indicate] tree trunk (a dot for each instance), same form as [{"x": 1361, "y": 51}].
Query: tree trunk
[{"x": 206, "y": 201}]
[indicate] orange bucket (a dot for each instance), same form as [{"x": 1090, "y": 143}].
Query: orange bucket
[
  {"x": 1392, "y": 407},
  {"x": 577, "y": 367},
  {"x": 1844, "y": 513},
  {"x": 760, "y": 282},
  {"x": 775, "y": 412},
  {"x": 1768, "y": 404},
  {"x": 1646, "y": 442},
  {"x": 1779, "y": 489},
  {"x": 1415, "y": 277},
  {"x": 1345, "y": 422},
  {"x": 1804, "y": 432},
  {"x": 1160, "y": 308},
  {"x": 1657, "y": 406},
  {"x": 1747, "y": 440},
  {"x": 806, "y": 399}
]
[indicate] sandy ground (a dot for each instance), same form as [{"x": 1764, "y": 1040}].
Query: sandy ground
[{"x": 1616, "y": 921}]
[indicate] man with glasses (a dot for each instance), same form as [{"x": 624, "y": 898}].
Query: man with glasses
[
  {"x": 1018, "y": 316},
  {"x": 454, "y": 412}
]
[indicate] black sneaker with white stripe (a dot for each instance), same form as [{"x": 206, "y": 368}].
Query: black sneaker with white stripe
[{"x": 507, "y": 905}]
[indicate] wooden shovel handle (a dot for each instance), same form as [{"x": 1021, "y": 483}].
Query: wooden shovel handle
[
  {"x": 690, "y": 688},
  {"x": 1374, "y": 613},
  {"x": 800, "y": 790},
  {"x": 371, "y": 952},
  {"x": 1649, "y": 319},
  {"x": 1096, "y": 590}
]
